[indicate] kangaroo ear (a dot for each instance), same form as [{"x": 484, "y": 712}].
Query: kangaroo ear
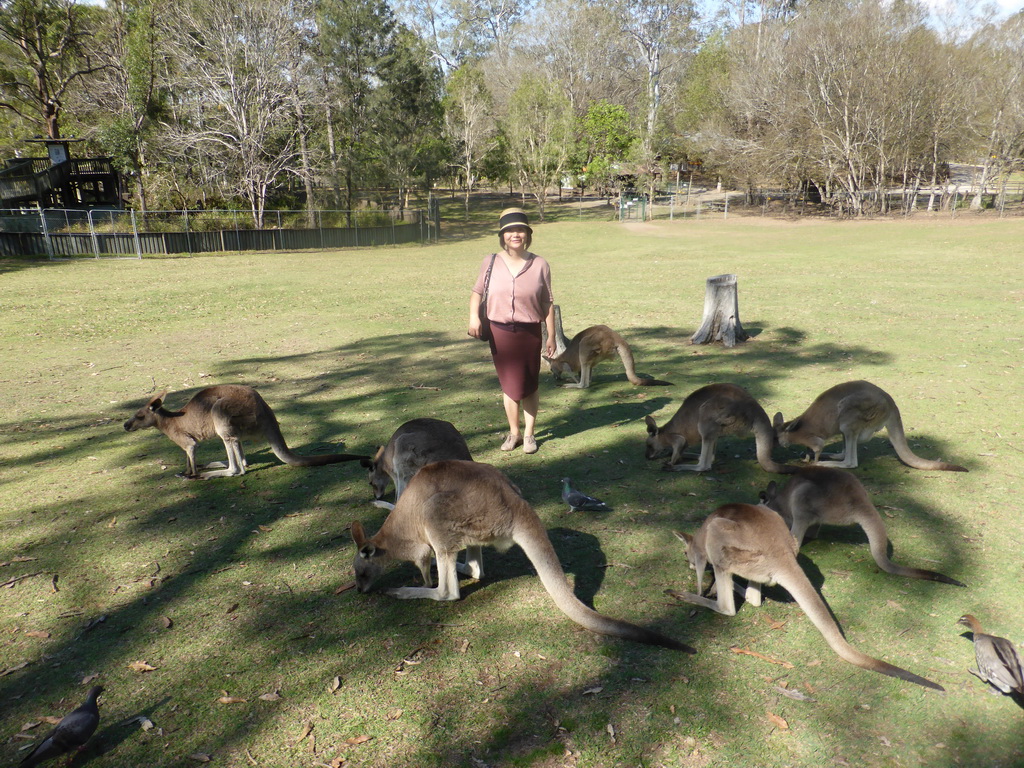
[
  {"x": 685, "y": 537},
  {"x": 367, "y": 551},
  {"x": 793, "y": 426},
  {"x": 778, "y": 421},
  {"x": 652, "y": 426},
  {"x": 157, "y": 401},
  {"x": 357, "y": 533}
]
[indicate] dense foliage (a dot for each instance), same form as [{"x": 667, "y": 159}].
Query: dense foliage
[{"x": 330, "y": 103}]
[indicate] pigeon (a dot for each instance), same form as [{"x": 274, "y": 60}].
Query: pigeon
[
  {"x": 580, "y": 501},
  {"x": 998, "y": 661},
  {"x": 71, "y": 733}
]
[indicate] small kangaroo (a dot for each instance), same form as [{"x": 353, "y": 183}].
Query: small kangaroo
[
  {"x": 753, "y": 542},
  {"x": 230, "y": 412},
  {"x": 453, "y": 505},
  {"x": 817, "y": 495},
  {"x": 589, "y": 347},
  {"x": 855, "y": 410},
  {"x": 706, "y": 415},
  {"x": 413, "y": 445}
]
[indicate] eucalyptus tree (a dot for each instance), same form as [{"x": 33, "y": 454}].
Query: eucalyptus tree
[
  {"x": 469, "y": 122},
  {"x": 663, "y": 37},
  {"x": 233, "y": 93},
  {"x": 45, "y": 51},
  {"x": 539, "y": 130},
  {"x": 126, "y": 99}
]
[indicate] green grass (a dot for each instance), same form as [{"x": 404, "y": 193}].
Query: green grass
[{"x": 346, "y": 346}]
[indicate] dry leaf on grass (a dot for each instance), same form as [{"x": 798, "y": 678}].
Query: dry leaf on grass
[
  {"x": 344, "y": 588},
  {"x": 200, "y": 757},
  {"x": 338, "y": 762},
  {"x": 52, "y": 719},
  {"x": 334, "y": 685},
  {"x": 141, "y": 666},
  {"x": 15, "y": 668},
  {"x": 231, "y": 700},
  {"x": 166, "y": 621},
  {"x": 42, "y": 635},
  {"x": 394, "y": 714},
  {"x": 357, "y": 740},
  {"x": 306, "y": 730},
  {"x": 273, "y": 696},
  {"x": 794, "y": 694},
  {"x": 30, "y": 726},
  {"x": 779, "y": 722},
  {"x": 756, "y": 655},
  {"x": 595, "y": 690},
  {"x": 89, "y": 678}
]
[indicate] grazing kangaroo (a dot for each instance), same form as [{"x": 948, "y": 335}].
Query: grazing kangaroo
[
  {"x": 706, "y": 415},
  {"x": 753, "y": 542},
  {"x": 589, "y": 347},
  {"x": 855, "y": 410},
  {"x": 230, "y": 412},
  {"x": 453, "y": 505},
  {"x": 413, "y": 445},
  {"x": 817, "y": 495}
]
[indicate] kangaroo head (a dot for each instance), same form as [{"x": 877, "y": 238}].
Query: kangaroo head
[
  {"x": 768, "y": 496},
  {"x": 656, "y": 444},
  {"x": 784, "y": 430},
  {"x": 558, "y": 365},
  {"x": 145, "y": 417},
  {"x": 369, "y": 559},
  {"x": 694, "y": 556},
  {"x": 379, "y": 479}
]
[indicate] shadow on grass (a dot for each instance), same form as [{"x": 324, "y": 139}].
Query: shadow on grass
[{"x": 213, "y": 536}]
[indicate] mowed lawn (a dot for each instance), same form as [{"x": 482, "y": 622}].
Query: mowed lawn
[{"x": 210, "y": 610}]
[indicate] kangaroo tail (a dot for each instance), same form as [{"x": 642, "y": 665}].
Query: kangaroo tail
[
  {"x": 878, "y": 542},
  {"x": 537, "y": 546},
  {"x": 280, "y": 448},
  {"x": 764, "y": 441},
  {"x": 808, "y": 599},
  {"x": 898, "y": 438},
  {"x": 626, "y": 355}
]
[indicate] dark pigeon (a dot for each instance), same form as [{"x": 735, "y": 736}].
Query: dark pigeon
[
  {"x": 580, "y": 501},
  {"x": 998, "y": 661},
  {"x": 71, "y": 733}
]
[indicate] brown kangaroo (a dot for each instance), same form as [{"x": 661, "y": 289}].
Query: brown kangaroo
[
  {"x": 817, "y": 495},
  {"x": 754, "y": 543},
  {"x": 230, "y": 412},
  {"x": 855, "y": 410},
  {"x": 414, "y": 444},
  {"x": 591, "y": 346},
  {"x": 449, "y": 506},
  {"x": 706, "y": 415}
]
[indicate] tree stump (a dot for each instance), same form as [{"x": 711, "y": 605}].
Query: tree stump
[
  {"x": 721, "y": 313},
  {"x": 560, "y": 341}
]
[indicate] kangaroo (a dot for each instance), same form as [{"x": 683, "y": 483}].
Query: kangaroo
[
  {"x": 589, "y": 347},
  {"x": 816, "y": 495},
  {"x": 753, "y": 542},
  {"x": 706, "y": 415},
  {"x": 855, "y": 410},
  {"x": 453, "y": 505},
  {"x": 229, "y": 411},
  {"x": 414, "y": 444}
]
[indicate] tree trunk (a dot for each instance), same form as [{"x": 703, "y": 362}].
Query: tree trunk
[{"x": 721, "y": 313}]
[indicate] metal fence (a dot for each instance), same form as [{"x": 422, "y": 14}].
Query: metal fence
[{"x": 60, "y": 234}]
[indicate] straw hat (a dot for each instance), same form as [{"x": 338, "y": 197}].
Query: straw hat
[{"x": 513, "y": 217}]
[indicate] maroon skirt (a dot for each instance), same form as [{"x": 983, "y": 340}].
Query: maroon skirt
[{"x": 515, "y": 349}]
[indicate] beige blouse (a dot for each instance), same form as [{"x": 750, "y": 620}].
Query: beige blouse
[{"x": 524, "y": 298}]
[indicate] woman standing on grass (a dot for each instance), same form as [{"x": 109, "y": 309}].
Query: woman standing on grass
[{"x": 518, "y": 300}]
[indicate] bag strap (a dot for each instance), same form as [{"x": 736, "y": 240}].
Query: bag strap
[{"x": 487, "y": 277}]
